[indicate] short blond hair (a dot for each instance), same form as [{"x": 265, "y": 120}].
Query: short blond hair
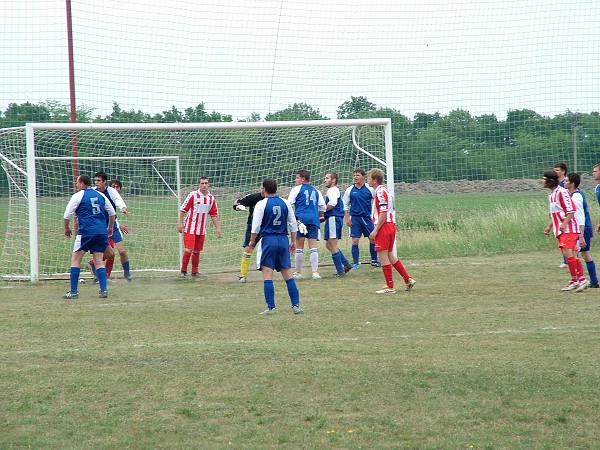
[{"x": 376, "y": 174}]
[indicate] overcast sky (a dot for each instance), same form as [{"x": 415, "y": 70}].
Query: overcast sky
[{"x": 240, "y": 57}]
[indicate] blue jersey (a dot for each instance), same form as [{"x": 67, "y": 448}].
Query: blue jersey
[
  {"x": 358, "y": 201},
  {"x": 307, "y": 202},
  {"x": 598, "y": 193},
  {"x": 586, "y": 211},
  {"x": 334, "y": 197},
  {"x": 273, "y": 215},
  {"x": 116, "y": 201},
  {"x": 92, "y": 208}
]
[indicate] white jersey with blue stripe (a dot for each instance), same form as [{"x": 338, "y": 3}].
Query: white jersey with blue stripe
[{"x": 334, "y": 197}]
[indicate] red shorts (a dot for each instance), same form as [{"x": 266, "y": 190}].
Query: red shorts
[
  {"x": 568, "y": 240},
  {"x": 386, "y": 237},
  {"x": 193, "y": 241}
]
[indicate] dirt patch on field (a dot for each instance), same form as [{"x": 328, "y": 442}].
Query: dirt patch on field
[{"x": 463, "y": 186}]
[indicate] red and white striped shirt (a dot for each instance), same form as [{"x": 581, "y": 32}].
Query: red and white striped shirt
[
  {"x": 383, "y": 204},
  {"x": 560, "y": 206},
  {"x": 200, "y": 206}
]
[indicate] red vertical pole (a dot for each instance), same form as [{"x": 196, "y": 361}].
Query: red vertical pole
[{"x": 74, "y": 150}]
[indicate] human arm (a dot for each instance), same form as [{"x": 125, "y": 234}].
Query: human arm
[
  {"x": 181, "y": 219},
  {"x": 119, "y": 202},
  {"x": 257, "y": 218},
  {"x": 346, "y": 200},
  {"x": 215, "y": 221}
]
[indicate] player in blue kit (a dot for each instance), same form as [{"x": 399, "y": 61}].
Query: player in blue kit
[
  {"x": 272, "y": 218},
  {"x": 309, "y": 206},
  {"x": 334, "y": 222},
  {"x": 91, "y": 208},
  {"x": 358, "y": 200}
]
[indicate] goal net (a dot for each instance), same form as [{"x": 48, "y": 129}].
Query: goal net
[{"x": 159, "y": 164}]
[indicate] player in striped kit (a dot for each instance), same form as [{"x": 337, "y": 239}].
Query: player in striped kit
[
  {"x": 196, "y": 209},
  {"x": 384, "y": 233},
  {"x": 334, "y": 221},
  {"x": 565, "y": 228}
]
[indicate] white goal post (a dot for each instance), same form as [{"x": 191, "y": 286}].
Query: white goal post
[{"x": 40, "y": 161}]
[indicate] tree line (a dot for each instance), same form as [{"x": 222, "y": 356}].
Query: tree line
[{"x": 454, "y": 146}]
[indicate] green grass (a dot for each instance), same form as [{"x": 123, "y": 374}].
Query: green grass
[{"x": 486, "y": 352}]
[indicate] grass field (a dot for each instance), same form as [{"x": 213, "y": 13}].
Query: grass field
[{"x": 486, "y": 352}]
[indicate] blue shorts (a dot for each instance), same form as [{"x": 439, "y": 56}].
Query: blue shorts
[
  {"x": 313, "y": 232},
  {"x": 361, "y": 226},
  {"x": 117, "y": 236},
  {"x": 275, "y": 252},
  {"x": 333, "y": 227},
  {"x": 588, "y": 234},
  {"x": 94, "y": 244}
]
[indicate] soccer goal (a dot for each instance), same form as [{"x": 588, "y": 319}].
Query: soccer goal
[{"x": 159, "y": 164}]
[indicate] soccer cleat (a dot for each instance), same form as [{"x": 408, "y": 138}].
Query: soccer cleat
[
  {"x": 316, "y": 276},
  {"x": 297, "y": 310},
  {"x": 563, "y": 265},
  {"x": 96, "y": 281},
  {"x": 347, "y": 268},
  {"x": 376, "y": 263},
  {"x": 268, "y": 312},
  {"x": 199, "y": 276},
  {"x": 103, "y": 294},
  {"x": 297, "y": 275},
  {"x": 411, "y": 283},
  {"x": 386, "y": 290},
  {"x": 71, "y": 294},
  {"x": 355, "y": 266},
  {"x": 594, "y": 286},
  {"x": 129, "y": 278},
  {"x": 241, "y": 279},
  {"x": 183, "y": 274},
  {"x": 339, "y": 275},
  {"x": 571, "y": 286},
  {"x": 583, "y": 284}
]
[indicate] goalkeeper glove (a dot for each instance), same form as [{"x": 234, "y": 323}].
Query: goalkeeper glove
[
  {"x": 302, "y": 228},
  {"x": 240, "y": 208}
]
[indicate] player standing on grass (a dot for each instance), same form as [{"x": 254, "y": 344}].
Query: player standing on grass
[
  {"x": 116, "y": 241},
  {"x": 586, "y": 229},
  {"x": 334, "y": 221},
  {"x": 565, "y": 228},
  {"x": 272, "y": 218},
  {"x": 309, "y": 206},
  {"x": 242, "y": 204},
  {"x": 384, "y": 233},
  {"x": 358, "y": 200},
  {"x": 199, "y": 205},
  {"x": 91, "y": 209}
]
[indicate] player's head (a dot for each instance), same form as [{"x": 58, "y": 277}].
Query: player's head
[
  {"x": 100, "y": 180},
  {"x": 83, "y": 181},
  {"x": 203, "y": 184},
  {"x": 375, "y": 175},
  {"x": 116, "y": 184},
  {"x": 269, "y": 186},
  {"x": 331, "y": 179},
  {"x": 302, "y": 176},
  {"x": 560, "y": 169},
  {"x": 550, "y": 179},
  {"x": 574, "y": 179},
  {"x": 359, "y": 176},
  {"x": 596, "y": 172}
]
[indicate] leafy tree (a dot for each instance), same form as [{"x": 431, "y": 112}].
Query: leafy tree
[
  {"x": 120, "y": 116},
  {"x": 423, "y": 120},
  {"x": 51, "y": 111},
  {"x": 354, "y": 107},
  {"x": 297, "y": 111}
]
